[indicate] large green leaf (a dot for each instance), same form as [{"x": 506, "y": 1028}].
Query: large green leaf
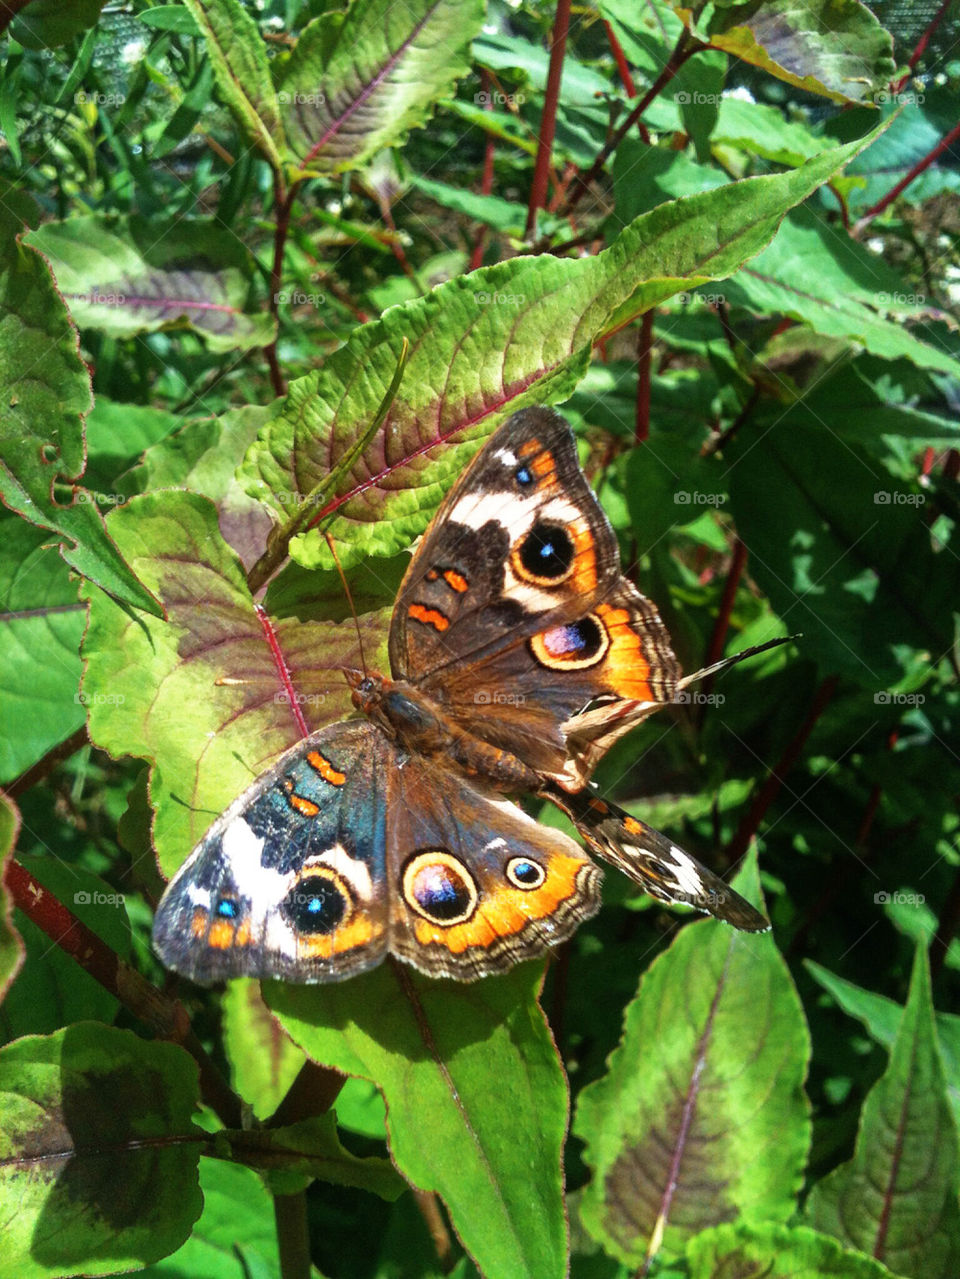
[
  {"x": 896, "y": 1199},
  {"x": 44, "y": 24},
  {"x": 242, "y": 69},
  {"x": 41, "y": 624},
  {"x": 131, "y": 275},
  {"x": 263, "y": 1060},
  {"x": 476, "y": 1101},
  {"x": 776, "y": 1252},
  {"x": 97, "y": 1152},
  {"x": 836, "y": 48},
  {"x": 201, "y": 696},
  {"x": 835, "y": 542},
  {"x": 45, "y": 390},
  {"x": 357, "y": 81},
  {"x": 701, "y": 1116},
  {"x": 840, "y": 289},
  {"x": 481, "y": 346}
]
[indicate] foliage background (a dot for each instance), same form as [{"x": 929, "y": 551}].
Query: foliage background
[{"x": 766, "y": 403}]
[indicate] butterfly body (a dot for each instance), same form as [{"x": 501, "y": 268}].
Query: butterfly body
[{"x": 518, "y": 651}]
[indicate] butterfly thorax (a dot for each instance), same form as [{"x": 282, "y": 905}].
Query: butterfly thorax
[{"x": 422, "y": 727}]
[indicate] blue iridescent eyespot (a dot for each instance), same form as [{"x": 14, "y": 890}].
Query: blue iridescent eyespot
[
  {"x": 524, "y": 873},
  {"x": 523, "y": 475},
  {"x": 227, "y": 908}
]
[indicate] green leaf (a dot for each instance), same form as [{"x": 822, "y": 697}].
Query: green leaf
[
  {"x": 236, "y": 1234},
  {"x": 11, "y": 945},
  {"x": 851, "y": 529},
  {"x": 840, "y": 289},
  {"x": 836, "y": 48},
  {"x": 482, "y": 346},
  {"x": 765, "y": 131},
  {"x": 358, "y": 81},
  {"x": 129, "y": 276},
  {"x": 299, "y": 1153},
  {"x": 45, "y": 391},
  {"x": 263, "y": 1059},
  {"x": 476, "y": 1102},
  {"x": 242, "y": 69},
  {"x": 775, "y": 1252},
  {"x": 896, "y": 1199},
  {"x": 702, "y": 1115},
  {"x": 882, "y": 1017},
  {"x": 97, "y": 1150},
  {"x": 41, "y": 625},
  {"x": 44, "y": 24},
  {"x": 200, "y": 695}
]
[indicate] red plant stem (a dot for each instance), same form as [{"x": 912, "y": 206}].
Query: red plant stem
[
  {"x": 38, "y": 771},
  {"x": 486, "y": 181},
  {"x": 922, "y": 43},
  {"x": 718, "y": 639},
  {"x": 921, "y": 165},
  {"x": 282, "y": 205},
  {"x": 641, "y": 428},
  {"x": 684, "y": 48},
  {"x": 283, "y": 670},
  {"x": 770, "y": 789},
  {"x": 620, "y": 59},
  {"x": 951, "y": 464},
  {"x": 9, "y": 10},
  {"x": 165, "y": 1017},
  {"x": 548, "y": 121}
]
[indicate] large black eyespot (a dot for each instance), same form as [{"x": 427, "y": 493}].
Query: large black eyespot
[
  {"x": 315, "y": 905},
  {"x": 547, "y": 552}
]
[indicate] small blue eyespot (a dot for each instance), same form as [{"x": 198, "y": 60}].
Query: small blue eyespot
[
  {"x": 523, "y": 873},
  {"x": 227, "y": 908},
  {"x": 523, "y": 476}
]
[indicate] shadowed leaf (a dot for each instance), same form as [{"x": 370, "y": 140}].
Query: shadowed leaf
[
  {"x": 263, "y": 1060},
  {"x": 97, "y": 1150},
  {"x": 896, "y": 1199},
  {"x": 701, "y": 1118},
  {"x": 476, "y": 1101}
]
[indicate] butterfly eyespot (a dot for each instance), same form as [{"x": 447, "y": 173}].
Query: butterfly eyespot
[
  {"x": 523, "y": 873},
  {"x": 227, "y": 908},
  {"x": 439, "y": 888},
  {"x": 316, "y": 904},
  {"x": 523, "y": 475},
  {"x": 575, "y": 646},
  {"x": 546, "y": 554}
]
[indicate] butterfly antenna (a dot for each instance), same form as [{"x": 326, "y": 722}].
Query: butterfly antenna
[{"x": 353, "y": 611}]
